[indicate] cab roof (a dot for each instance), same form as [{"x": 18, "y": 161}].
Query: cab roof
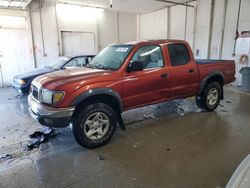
[{"x": 158, "y": 41}]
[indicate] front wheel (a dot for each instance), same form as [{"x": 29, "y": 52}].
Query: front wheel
[
  {"x": 210, "y": 98},
  {"x": 94, "y": 125}
]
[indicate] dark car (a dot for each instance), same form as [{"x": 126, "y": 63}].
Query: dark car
[{"x": 22, "y": 81}]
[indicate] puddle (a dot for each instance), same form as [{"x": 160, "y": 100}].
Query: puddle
[{"x": 178, "y": 107}]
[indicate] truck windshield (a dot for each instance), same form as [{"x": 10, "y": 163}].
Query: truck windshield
[{"x": 111, "y": 57}]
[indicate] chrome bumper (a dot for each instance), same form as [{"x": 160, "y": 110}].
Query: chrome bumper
[{"x": 49, "y": 116}]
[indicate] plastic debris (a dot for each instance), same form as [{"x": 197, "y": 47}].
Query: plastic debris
[
  {"x": 100, "y": 157},
  {"x": 6, "y": 157},
  {"x": 39, "y": 137},
  {"x": 136, "y": 144},
  {"x": 224, "y": 110},
  {"x": 134, "y": 180},
  {"x": 149, "y": 116}
]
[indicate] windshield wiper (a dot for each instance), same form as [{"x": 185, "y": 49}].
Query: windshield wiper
[
  {"x": 100, "y": 66},
  {"x": 89, "y": 66}
]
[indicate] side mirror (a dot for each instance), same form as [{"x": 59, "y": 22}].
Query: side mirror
[
  {"x": 87, "y": 61},
  {"x": 135, "y": 66}
]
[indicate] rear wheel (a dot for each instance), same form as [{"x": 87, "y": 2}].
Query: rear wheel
[
  {"x": 94, "y": 125},
  {"x": 210, "y": 98}
]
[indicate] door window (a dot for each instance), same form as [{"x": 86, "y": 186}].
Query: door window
[
  {"x": 179, "y": 54},
  {"x": 76, "y": 62},
  {"x": 149, "y": 56}
]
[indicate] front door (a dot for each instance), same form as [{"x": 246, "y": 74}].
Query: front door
[{"x": 149, "y": 85}]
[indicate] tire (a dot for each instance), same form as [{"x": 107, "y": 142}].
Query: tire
[
  {"x": 94, "y": 125},
  {"x": 210, "y": 97}
]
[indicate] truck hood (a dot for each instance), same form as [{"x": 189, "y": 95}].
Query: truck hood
[{"x": 71, "y": 75}]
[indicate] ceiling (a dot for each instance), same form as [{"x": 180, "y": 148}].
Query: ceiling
[
  {"x": 14, "y": 4},
  {"x": 136, "y": 6}
]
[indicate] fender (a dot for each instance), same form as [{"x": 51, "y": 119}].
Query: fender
[
  {"x": 206, "y": 79},
  {"x": 100, "y": 91}
]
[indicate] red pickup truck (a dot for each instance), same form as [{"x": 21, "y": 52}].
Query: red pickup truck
[{"x": 122, "y": 77}]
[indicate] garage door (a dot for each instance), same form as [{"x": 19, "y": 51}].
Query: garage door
[
  {"x": 78, "y": 43},
  {"x": 15, "y": 54}
]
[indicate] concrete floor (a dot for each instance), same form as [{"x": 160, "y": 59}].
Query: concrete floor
[{"x": 167, "y": 145}]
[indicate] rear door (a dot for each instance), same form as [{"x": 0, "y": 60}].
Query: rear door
[
  {"x": 182, "y": 70},
  {"x": 149, "y": 85}
]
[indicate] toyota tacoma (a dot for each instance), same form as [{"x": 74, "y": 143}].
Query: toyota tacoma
[{"x": 122, "y": 77}]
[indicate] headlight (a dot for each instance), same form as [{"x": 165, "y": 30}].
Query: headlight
[
  {"x": 51, "y": 97},
  {"x": 20, "y": 81},
  {"x": 46, "y": 96}
]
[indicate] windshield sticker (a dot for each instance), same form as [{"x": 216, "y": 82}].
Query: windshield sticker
[{"x": 122, "y": 49}]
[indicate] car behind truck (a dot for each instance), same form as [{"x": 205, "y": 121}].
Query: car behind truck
[{"x": 123, "y": 77}]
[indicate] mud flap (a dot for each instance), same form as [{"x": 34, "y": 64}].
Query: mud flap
[
  {"x": 222, "y": 93},
  {"x": 198, "y": 101},
  {"x": 121, "y": 123}
]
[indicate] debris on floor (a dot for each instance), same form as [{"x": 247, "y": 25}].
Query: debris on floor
[
  {"x": 39, "y": 137},
  {"x": 134, "y": 181},
  {"x": 149, "y": 116},
  {"x": 100, "y": 157},
  {"x": 19, "y": 96},
  {"x": 223, "y": 110},
  {"x": 6, "y": 157},
  {"x": 136, "y": 144}
]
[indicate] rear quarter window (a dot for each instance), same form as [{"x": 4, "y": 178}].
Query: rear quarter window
[{"x": 179, "y": 54}]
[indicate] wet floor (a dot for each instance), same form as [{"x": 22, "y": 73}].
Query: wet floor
[{"x": 172, "y": 144}]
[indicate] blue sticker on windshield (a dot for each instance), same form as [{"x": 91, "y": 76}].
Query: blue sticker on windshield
[{"x": 122, "y": 49}]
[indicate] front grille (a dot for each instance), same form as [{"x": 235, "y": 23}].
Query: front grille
[{"x": 34, "y": 91}]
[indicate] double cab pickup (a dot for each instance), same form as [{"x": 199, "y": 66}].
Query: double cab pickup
[{"x": 122, "y": 77}]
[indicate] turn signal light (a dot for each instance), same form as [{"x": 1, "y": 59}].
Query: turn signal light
[{"x": 57, "y": 96}]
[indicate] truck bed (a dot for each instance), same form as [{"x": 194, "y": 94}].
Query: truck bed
[
  {"x": 207, "y": 61},
  {"x": 226, "y": 67}
]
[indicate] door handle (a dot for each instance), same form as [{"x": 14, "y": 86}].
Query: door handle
[
  {"x": 165, "y": 75},
  {"x": 191, "y": 70}
]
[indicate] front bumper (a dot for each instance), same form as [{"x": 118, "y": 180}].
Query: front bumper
[{"x": 49, "y": 116}]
